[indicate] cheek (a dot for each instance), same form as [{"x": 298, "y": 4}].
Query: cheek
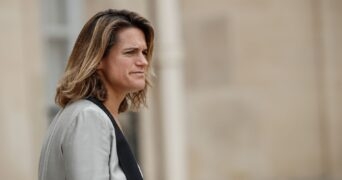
[
  {"x": 118, "y": 71},
  {"x": 123, "y": 66}
]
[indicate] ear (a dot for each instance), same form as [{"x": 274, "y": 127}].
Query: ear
[{"x": 100, "y": 66}]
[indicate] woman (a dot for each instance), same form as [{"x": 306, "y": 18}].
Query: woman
[{"x": 106, "y": 73}]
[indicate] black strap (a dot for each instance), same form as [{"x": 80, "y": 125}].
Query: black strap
[{"x": 127, "y": 161}]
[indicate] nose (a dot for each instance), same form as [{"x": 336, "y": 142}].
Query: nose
[{"x": 142, "y": 60}]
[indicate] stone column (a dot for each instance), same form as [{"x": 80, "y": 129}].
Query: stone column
[
  {"x": 22, "y": 114},
  {"x": 170, "y": 56},
  {"x": 331, "y": 42}
]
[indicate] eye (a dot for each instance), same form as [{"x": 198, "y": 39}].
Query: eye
[
  {"x": 145, "y": 53},
  {"x": 129, "y": 52}
]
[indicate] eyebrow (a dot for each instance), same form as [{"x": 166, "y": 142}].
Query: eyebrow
[{"x": 133, "y": 48}]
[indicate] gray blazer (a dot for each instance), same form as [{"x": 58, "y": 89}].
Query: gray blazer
[{"x": 80, "y": 145}]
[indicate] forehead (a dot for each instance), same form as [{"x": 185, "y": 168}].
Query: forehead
[{"x": 131, "y": 36}]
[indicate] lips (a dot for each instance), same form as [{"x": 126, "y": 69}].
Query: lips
[{"x": 137, "y": 72}]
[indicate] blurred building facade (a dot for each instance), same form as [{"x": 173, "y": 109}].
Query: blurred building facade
[{"x": 245, "y": 89}]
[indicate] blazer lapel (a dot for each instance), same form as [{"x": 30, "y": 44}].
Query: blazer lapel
[{"x": 127, "y": 161}]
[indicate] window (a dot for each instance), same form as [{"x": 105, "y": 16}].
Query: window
[{"x": 61, "y": 24}]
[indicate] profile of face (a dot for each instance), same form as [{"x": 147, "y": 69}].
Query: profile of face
[{"x": 123, "y": 69}]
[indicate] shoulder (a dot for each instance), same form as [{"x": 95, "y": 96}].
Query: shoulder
[
  {"x": 84, "y": 112},
  {"x": 81, "y": 105},
  {"x": 84, "y": 106}
]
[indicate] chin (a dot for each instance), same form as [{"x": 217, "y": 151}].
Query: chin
[{"x": 138, "y": 87}]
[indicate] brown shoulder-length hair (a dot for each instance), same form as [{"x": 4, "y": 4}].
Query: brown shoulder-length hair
[{"x": 99, "y": 34}]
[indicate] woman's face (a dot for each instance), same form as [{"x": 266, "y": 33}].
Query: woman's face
[{"x": 124, "y": 68}]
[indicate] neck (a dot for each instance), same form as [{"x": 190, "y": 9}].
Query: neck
[{"x": 113, "y": 102}]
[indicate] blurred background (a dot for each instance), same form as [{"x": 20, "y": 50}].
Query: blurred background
[{"x": 244, "y": 89}]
